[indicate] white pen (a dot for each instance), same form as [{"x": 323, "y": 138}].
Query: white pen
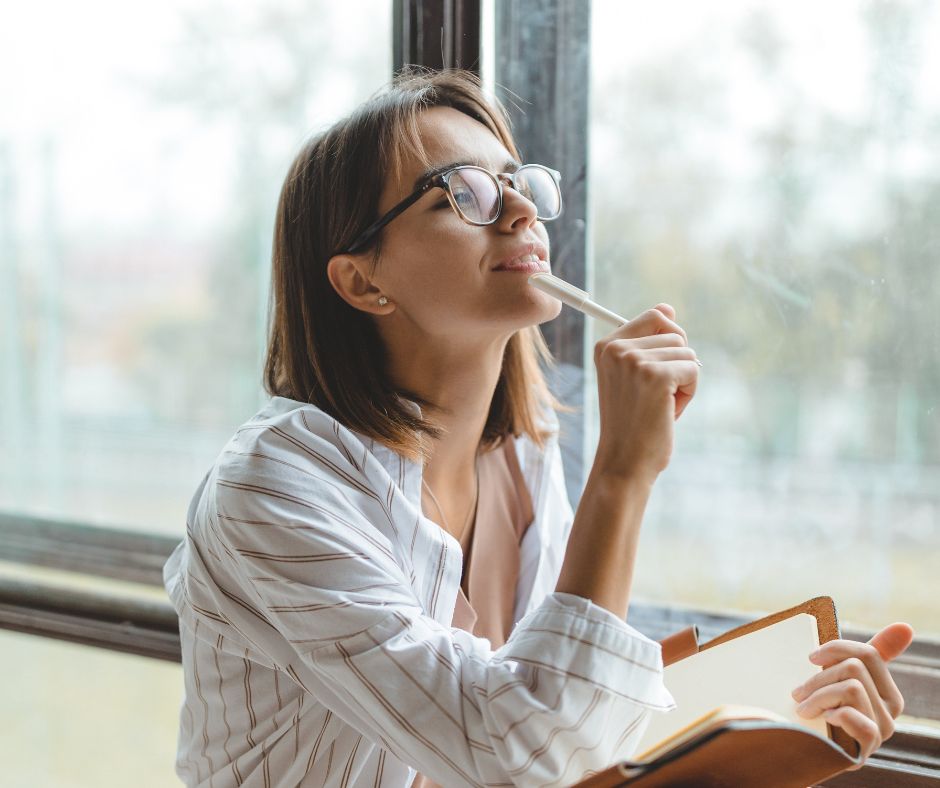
[
  {"x": 578, "y": 299},
  {"x": 573, "y": 297}
]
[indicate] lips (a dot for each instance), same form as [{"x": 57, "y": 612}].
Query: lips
[
  {"x": 531, "y": 265},
  {"x": 530, "y": 258}
]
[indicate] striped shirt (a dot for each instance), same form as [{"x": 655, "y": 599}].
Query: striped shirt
[{"x": 316, "y": 602}]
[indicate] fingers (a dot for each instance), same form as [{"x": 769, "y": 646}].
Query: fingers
[
  {"x": 858, "y": 726},
  {"x": 687, "y": 386},
  {"x": 849, "y": 678},
  {"x": 640, "y": 348},
  {"x": 656, "y": 353},
  {"x": 677, "y": 367},
  {"x": 667, "y": 334},
  {"x": 649, "y": 323},
  {"x": 647, "y": 348},
  {"x": 855, "y": 690},
  {"x": 849, "y": 692},
  {"x": 836, "y": 651},
  {"x": 672, "y": 354},
  {"x": 667, "y": 310},
  {"x": 847, "y": 705},
  {"x": 668, "y": 339}
]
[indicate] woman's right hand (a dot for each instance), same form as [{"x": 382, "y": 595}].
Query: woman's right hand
[{"x": 646, "y": 376}]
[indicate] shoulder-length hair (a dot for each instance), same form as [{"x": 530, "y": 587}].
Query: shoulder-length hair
[{"x": 323, "y": 351}]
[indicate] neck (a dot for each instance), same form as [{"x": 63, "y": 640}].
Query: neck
[{"x": 461, "y": 385}]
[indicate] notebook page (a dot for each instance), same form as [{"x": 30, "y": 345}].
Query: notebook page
[{"x": 759, "y": 669}]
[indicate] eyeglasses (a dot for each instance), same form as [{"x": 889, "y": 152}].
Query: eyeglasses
[{"x": 477, "y": 196}]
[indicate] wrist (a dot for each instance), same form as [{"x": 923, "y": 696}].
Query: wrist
[
  {"x": 624, "y": 473},
  {"x": 619, "y": 488}
]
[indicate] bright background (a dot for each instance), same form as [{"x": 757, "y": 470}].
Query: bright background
[
  {"x": 772, "y": 171},
  {"x": 142, "y": 149}
]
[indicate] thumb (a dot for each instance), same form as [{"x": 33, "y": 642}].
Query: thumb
[{"x": 893, "y": 640}]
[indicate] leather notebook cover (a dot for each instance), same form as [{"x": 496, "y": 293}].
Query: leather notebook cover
[{"x": 742, "y": 752}]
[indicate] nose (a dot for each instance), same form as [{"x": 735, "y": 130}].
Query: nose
[{"x": 518, "y": 211}]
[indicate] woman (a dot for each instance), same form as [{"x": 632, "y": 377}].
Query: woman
[{"x": 382, "y": 574}]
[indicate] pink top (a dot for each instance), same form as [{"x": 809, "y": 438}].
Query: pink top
[{"x": 490, "y": 547}]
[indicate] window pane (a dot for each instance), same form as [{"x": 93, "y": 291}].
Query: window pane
[
  {"x": 85, "y": 716},
  {"x": 771, "y": 170},
  {"x": 142, "y": 148}
]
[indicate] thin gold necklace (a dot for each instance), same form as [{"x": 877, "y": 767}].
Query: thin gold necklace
[{"x": 473, "y": 506}]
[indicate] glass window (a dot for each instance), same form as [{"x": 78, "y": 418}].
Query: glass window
[
  {"x": 79, "y": 716},
  {"x": 771, "y": 170},
  {"x": 142, "y": 148}
]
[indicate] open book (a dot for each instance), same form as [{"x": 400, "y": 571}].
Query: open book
[{"x": 735, "y": 722}]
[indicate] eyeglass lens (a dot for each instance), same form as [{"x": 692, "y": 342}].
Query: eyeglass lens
[
  {"x": 476, "y": 193},
  {"x": 538, "y": 186}
]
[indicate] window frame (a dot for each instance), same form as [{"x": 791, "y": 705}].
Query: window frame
[
  {"x": 149, "y": 628},
  {"x": 436, "y": 35}
]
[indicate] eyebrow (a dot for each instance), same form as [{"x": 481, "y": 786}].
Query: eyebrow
[{"x": 510, "y": 165}]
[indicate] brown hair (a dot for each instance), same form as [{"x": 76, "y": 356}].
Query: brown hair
[{"x": 322, "y": 350}]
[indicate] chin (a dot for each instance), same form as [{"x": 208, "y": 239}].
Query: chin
[
  {"x": 550, "y": 308},
  {"x": 542, "y": 309},
  {"x": 515, "y": 312}
]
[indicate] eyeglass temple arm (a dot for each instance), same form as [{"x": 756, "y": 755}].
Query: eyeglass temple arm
[{"x": 366, "y": 236}]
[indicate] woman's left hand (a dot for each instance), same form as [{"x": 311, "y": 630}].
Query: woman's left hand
[{"x": 854, "y": 690}]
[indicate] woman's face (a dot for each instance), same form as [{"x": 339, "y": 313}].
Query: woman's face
[{"x": 438, "y": 270}]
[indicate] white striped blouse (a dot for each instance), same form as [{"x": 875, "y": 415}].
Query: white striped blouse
[{"x": 315, "y": 604}]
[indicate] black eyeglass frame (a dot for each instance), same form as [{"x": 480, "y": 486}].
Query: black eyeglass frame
[{"x": 442, "y": 180}]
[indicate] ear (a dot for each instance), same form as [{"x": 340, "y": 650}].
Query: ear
[{"x": 349, "y": 276}]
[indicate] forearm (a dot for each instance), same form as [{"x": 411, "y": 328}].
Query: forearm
[{"x": 602, "y": 547}]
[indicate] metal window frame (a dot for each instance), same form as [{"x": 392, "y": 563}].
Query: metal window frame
[
  {"x": 132, "y": 626},
  {"x": 114, "y": 553},
  {"x": 436, "y": 34},
  {"x": 542, "y": 75}
]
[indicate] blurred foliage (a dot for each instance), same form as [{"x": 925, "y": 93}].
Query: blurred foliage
[
  {"x": 263, "y": 73},
  {"x": 743, "y": 220}
]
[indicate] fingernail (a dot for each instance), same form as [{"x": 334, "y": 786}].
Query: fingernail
[
  {"x": 814, "y": 657},
  {"x": 799, "y": 693},
  {"x": 699, "y": 362}
]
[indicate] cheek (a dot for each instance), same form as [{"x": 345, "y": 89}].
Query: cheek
[
  {"x": 432, "y": 281},
  {"x": 446, "y": 260},
  {"x": 436, "y": 241},
  {"x": 457, "y": 242}
]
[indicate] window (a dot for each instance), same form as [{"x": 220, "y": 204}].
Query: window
[
  {"x": 142, "y": 147},
  {"x": 141, "y": 153},
  {"x": 771, "y": 171},
  {"x": 87, "y": 716}
]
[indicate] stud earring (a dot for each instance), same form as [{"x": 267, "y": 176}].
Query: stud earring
[{"x": 382, "y": 300}]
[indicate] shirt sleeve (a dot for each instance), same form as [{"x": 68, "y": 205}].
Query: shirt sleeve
[{"x": 318, "y": 589}]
